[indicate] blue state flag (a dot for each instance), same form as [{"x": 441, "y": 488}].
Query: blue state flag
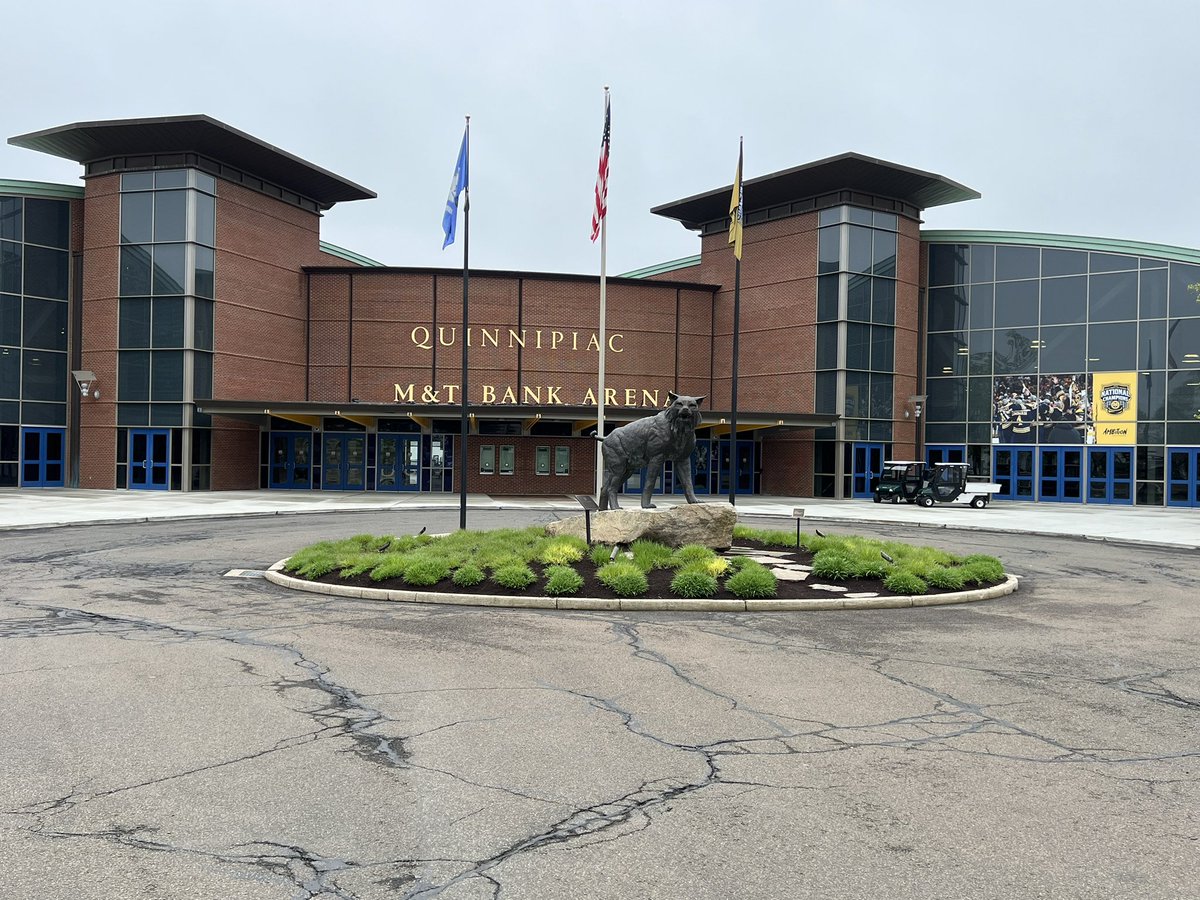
[{"x": 458, "y": 184}]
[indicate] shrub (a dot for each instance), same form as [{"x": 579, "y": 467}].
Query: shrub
[
  {"x": 980, "y": 569},
  {"x": 600, "y": 554},
  {"x": 623, "y": 578},
  {"x": 392, "y": 566},
  {"x": 693, "y": 581},
  {"x": 736, "y": 563},
  {"x": 467, "y": 575},
  {"x": 425, "y": 571},
  {"x": 902, "y": 582},
  {"x": 562, "y": 580},
  {"x": 833, "y": 565},
  {"x": 942, "y": 577},
  {"x": 563, "y": 551},
  {"x": 692, "y": 553},
  {"x": 359, "y": 563},
  {"x": 515, "y": 576},
  {"x": 869, "y": 567},
  {"x": 752, "y": 581},
  {"x": 323, "y": 554},
  {"x": 649, "y": 555}
]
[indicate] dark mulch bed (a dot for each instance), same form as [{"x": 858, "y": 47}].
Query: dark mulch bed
[{"x": 660, "y": 583}]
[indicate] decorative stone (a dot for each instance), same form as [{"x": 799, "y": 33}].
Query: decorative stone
[
  {"x": 789, "y": 575},
  {"x": 865, "y": 595},
  {"x": 706, "y": 524},
  {"x": 836, "y": 588}
]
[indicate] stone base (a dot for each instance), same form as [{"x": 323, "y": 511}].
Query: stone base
[{"x": 707, "y": 524}]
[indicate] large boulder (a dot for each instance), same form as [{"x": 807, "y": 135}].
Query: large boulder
[{"x": 707, "y": 524}]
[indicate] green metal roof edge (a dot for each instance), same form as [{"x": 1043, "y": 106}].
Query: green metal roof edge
[
  {"x": 663, "y": 267},
  {"x": 350, "y": 255},
  {"x": 10, "y": 187},
  {"x": 1066, "y": 241}
]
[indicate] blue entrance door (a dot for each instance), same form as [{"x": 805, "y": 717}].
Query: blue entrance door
[
  {"x": 1059, "y": 474},
  {"x": 291, "y": 460},
  {"x": 42, "y": 457},
  {"x": 149, "y": 459},
  {"x": 1012, "y": 469},
  {"x": 399, "y": 463},
  {"x": 702, "y": 471},
  {"x": 745, "y": 467},
  {"x": 344, "y": 462},
  {"x": 944, "y": 453},
  {"x": 867, "y": 467},
  {"x": 1110, "y": 475},
  {"x": 1183, "y": 476}
]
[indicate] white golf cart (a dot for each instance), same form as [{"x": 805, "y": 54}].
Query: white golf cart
[{"x": 952, "y": 483}]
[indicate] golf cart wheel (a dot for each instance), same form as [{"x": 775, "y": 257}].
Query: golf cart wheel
[
  {"x": 978, "y": 502},
  {"x": 926, "y": 502},
  {"x": 877, "y": 498},
  {"x": 895, "y": 498}
]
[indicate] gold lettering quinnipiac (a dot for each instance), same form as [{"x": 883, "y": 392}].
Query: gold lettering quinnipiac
[{"x": 542, "y": 338}]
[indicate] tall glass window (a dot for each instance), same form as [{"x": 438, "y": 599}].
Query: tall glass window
[
  {"x": 165, "y": 328},
  {"x": 1038, "y": 331},
  {"x": 35, "y": 235},
  {"x": 856, "y": 311}
]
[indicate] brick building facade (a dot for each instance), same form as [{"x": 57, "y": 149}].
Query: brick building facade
[{"x": 211, "y": 340}]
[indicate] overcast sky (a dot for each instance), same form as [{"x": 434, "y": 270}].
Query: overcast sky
[{"x": 1069, "y": 117}]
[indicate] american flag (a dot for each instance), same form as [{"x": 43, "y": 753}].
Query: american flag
[{"x": 602, "y": 177}]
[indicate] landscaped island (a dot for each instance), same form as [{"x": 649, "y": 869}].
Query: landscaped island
[{"x": 763, "y": 563}]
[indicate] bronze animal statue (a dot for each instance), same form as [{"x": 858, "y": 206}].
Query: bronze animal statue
[{"x": 649, "y": 442}]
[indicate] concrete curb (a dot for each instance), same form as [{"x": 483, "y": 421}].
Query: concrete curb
[{"x": 639, "y": 604}]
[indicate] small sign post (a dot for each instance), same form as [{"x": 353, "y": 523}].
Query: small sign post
[
  {"x": 589, "y": 506},
  {"x": 798, "y": 514}
]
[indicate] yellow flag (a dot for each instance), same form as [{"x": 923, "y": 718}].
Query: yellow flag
[{"x": 735, "y": 209}]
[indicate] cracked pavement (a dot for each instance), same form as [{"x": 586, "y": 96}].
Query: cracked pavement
[{"x": 166, "y": 732}]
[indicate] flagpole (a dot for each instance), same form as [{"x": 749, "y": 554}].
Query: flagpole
[
  {"x": 464, "y": 427},
  {"x": 602, "y": 211},
  {"x": 737, "y": 317},
  {"x": 603, "y": 347}
]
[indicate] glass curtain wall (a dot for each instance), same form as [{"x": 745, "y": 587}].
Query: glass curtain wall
[
  {"x": 1023, "y": 340},
  {"x": 165, "y": 336},
  {"x": 856, "y": 317},
  {"x": 35, "y": 236}
]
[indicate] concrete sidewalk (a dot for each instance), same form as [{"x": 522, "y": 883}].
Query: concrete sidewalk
[{"x": 1130, "y": 524}]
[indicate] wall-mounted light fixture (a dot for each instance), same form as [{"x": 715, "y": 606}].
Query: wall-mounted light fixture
[{"x": 86, "y": 381}]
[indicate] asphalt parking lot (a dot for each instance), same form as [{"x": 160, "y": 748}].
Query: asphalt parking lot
[{"x": 169, "y": 732}]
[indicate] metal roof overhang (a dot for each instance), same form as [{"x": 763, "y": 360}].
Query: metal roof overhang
[
  {"x": 847, "y": 171},
  {"x": 86, "y": 142},
  {"x": 260, "y": 413}
]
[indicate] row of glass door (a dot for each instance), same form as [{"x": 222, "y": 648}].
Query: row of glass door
[
  {"x": 1053, "y": 474},
  {"x": 1064, "y": 474},
  {"x": 343, "y": 461}
]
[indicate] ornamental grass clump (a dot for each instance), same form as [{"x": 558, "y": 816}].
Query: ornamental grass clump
[
  {"x": 752, "y": 582},
  {"x": 562, "y": 580},
  {"x": 902, "y": 582},
  {"x": 468, "y": 575},
  {"x": 980, "y": 569},
  {"x": 691, "y": 553},
  {"x": 833, "y": 564},
  {"x": 391, "y": 566},
  {"x": 359, "y": 563},
  {"x": 514, "y": 576},
  {"x": 623, "y": 578},
  {"x": 648, "y": 555},
  {"x": 425, "y": 571},
  {"x": 562, "y": 551},
  {"x": 945, "y": 578},
  {"x": 693, "y": 582}
]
